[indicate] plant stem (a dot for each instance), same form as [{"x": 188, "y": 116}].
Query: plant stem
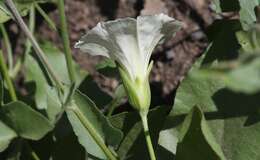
[
  {"x": 92, "y": 132},
  {"x": 111, "y": 107},
  {"x": 147, "y": 136},
  {"x": 28, "y": 44},
  {"x": 65, "y": 40},
  {"x": 8, "y": 47},
  {"x": 46, "y": 17},
  {"x": 34, "y": 155},
  {"x": 31, "y": 25},
  {"x": 35, "y": 45},
  {"x": 7, "y": 78}
]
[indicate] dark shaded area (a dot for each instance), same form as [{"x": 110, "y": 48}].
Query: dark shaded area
[
  {"x": 229, "y": 105},
  {"x": 62, "y": 143},
  {"x": 230, "y": 5},
  {"x": 92, "y": 90},
  {"x": 108, "y": 8},
  {"x": 225, "y": 45},
  {"x": 139, "y": 5}
]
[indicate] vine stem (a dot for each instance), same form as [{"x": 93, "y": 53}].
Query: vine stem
[
  {"x": 31, "y": 25},
  {"x": 92, "y": 131},
  {"x": 7, "y": 78},
  {"x": 65, "y": 40},
  {"x": 28, "y": 45},
  {"x": 35, "y": 45},
  {"x": 8, "y": 47},
  {"x": 147, "y": 136}
]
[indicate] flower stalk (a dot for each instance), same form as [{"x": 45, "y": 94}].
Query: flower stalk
[{"x": 147, "y": 135}]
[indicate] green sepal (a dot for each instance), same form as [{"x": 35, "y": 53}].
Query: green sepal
[{"x": 138, "y": 90}]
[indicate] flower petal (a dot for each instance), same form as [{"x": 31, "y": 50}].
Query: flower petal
[
  {"x": 153, "y": 29},
  {"x": 124, "y": 35},
  {"x": 116, "y": 40},
  {"x": 95, "y": 42},
  {"x": 129, "y": 42}
]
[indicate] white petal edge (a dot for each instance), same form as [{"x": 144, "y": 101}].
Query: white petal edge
[{"x": 154, "y": 29}]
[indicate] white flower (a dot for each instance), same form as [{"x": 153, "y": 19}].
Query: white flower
[{"x": 130, "y": 43}]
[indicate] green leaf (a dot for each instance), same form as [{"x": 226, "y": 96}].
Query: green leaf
[
  {"x": 232, "y": 117},
  {"x": 53, "y": 103},
  {"x": 6, "y": 136},
  {"x": 240, "y": 76},
  {"x": 35, "y": 74},
  {"x": 108, "y": 68},
  {"x": 23, "y": 7},
  {"x": 119, "y": 95},
  {"x": 196, "y": 140},
  {"x": 58, "y": 62},
  {"x": 225, "y": 6},
  {"x": 60, "y": 144},
  {"x": 102, "y": 126},
  {"x": 245, "y": 7},
  {"x": 249, "y": 40},
  {"x": 133, "y": 146},
  {"x": 1, "y": 92},
  {"x": 4, "y": 13},
  {"x": 224, "y": 46},
  {"x": 242, "y": 73},
  {"x": 26, "y": 122},
  {"x": 247, "y": 13},
  {"x": 91, "y": 89}
]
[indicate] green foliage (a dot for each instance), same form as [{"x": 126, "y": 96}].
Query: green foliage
[
  {"x": 232, "y": 73},
  {"x": 133, "y": 144},
  {"x": 250, "y": 40},
  {"x": 4, "y": 13},
  {"x": 231, "y": 114},
  {"x": 245, "y": 8},
  {"x": 99, "y": 122},
  {"x": 196, "y": 139},
  {"x": 6, "y": 136},
  {"x": 40, "y": 84},
  {"x": 215, "y": 115},
  {"x": 22, "y": 5},
  {"x": 26, "y": 122},
  {"x": 1, "y": 91}
]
